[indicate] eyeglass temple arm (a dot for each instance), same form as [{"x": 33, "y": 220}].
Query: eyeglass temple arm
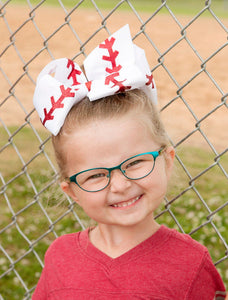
[{"x": 162, "y": 149}]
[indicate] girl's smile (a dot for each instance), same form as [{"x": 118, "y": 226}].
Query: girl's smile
[{"x": 126, "y": 204}]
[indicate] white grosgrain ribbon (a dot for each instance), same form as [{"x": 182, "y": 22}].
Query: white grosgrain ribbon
[{"x": 115, "y": 66}]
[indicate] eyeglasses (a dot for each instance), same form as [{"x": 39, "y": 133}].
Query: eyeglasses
[{"x": 135, "y": 167}]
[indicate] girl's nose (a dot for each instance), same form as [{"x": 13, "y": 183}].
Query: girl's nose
[{"x": 118, "y": 182}]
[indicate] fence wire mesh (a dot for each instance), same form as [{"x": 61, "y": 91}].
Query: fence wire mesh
[{"x": 189, "y": 59}]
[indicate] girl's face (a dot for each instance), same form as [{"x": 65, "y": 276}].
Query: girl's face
[{"x": 106, "y": 143}]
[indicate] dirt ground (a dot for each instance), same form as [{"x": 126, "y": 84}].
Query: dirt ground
[{"x": 22, "y": 39}]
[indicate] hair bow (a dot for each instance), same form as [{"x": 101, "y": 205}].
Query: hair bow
[{"x": 114, "y": 66}]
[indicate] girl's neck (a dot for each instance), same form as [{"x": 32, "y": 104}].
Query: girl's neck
[{"x": 117, "y": 240}]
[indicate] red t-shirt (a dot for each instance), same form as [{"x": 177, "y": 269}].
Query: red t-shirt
[{"x": 168, "y": 265}]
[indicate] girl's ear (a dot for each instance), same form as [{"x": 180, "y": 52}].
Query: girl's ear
[
  {"x": 67, "y": 188},
  {"x": 169, "y": 157}
]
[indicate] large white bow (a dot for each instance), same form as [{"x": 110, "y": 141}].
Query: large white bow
[{"x": 116, "y": 65}]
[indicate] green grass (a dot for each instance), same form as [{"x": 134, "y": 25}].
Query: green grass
[
  {"x": 25, "y": 214},
  {"x": 189, "y": 211},
  {"x": 190, "y": 7}
]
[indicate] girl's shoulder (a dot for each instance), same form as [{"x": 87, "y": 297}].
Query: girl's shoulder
[
  {"x": 183, "y": 239},
  {"x": 184, "y": 244},
  {"x": 189, "y": 254},
  {"x": 64, "y": 244}
]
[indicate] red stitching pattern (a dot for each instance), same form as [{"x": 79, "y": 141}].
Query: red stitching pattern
[
  {"x": 108, "y": 44},
  {"x": 114, "y": 71},
  {"x": 57, "y": 104},
  {"x": 74, "y": 72},
  {"x": 111, "y": 78},
  {"x": 150, "y": 80},
  {"x": 88, "y": 85}
]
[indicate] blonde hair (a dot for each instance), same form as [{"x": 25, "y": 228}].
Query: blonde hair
[{"x": 114, "y": 106}]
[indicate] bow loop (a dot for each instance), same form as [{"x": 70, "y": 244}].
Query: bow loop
[
  {"x": 115, "y": 53},
  {"x": 114, "y": 66},
  {"x": 65, "y": 71}
]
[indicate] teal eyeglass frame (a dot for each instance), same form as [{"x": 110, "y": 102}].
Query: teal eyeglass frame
[{"x": 155, "y": 154}]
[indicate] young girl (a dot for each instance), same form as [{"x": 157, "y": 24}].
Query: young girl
[{"x": 115, "y": 162}]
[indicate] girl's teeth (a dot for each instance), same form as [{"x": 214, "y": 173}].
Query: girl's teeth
[{"x": 126, "y": 203}]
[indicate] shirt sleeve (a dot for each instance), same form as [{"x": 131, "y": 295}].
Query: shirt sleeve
[{"x": 208, "y": 284}]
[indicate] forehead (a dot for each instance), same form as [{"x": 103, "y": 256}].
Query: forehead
[
  {"x": 108, "y": 130},
  {"x": 108, "y": 142}
]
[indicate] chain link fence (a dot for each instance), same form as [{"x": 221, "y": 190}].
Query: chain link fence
[{"x": 189, "y": 59}]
